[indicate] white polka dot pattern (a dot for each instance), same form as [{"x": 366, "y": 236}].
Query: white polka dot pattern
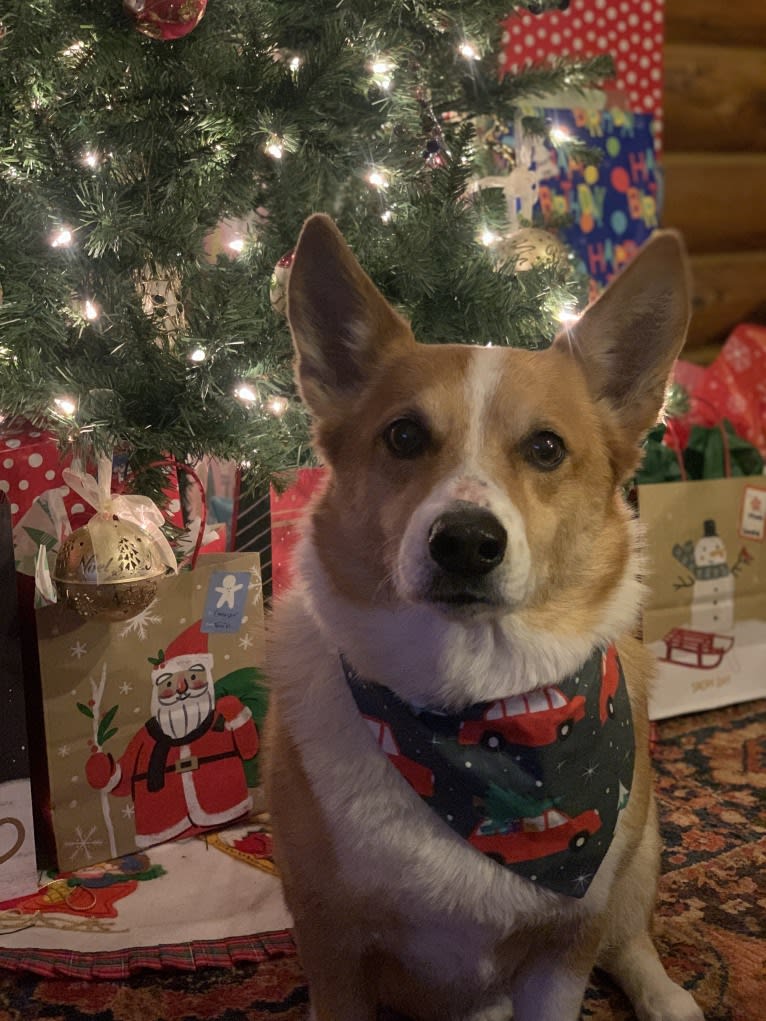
[
  {"x": 30, "y": 465},
  {"x": 630, "y": 30}
]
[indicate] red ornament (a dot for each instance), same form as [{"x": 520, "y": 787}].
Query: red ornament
[
  {"x": 165, "y": 19},
  {"x": 278, "y": 282}
]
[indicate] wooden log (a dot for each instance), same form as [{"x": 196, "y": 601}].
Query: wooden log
[
  {"x": 741, "y": 23},
  {"x": 715, "y": 98},
  {"x": 729, "y": 288},
  {"x": 718, "y": 200}
]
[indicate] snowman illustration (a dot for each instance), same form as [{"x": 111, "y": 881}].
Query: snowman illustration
[{"x": 712, "y": 579}]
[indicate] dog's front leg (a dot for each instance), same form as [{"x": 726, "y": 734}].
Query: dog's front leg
[
  {"x": 550, "y": 984},
  {"x": 338, "y": 989},
  {"x": 548, "y": 991}
]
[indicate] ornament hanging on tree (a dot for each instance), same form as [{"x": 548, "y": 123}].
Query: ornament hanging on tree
[
  {"x": 165, "y": 19},
  {"x": 531, "y": 246},
  {"x": 110, "y": 568},
  {"x": 278, "y": 282},
  {"x": 160, "y": 291}
]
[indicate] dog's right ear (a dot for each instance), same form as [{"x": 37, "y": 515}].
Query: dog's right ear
[{"x": 342, "y": 326}]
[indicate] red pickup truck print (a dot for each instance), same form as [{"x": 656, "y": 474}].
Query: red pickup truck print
[
  {"x": 610, "y": 682},
  {"x": 418, "y": 777},
  {"x": 538, "y": 718},
  {"x": 526, "y": 839}
]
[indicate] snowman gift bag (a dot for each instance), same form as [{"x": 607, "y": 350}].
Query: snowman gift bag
[
  {"x": 153, "y": 724},
  {"x": 705, "y": 619}
]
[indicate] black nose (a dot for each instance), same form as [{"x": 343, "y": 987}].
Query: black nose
[{"x": 467, "y": 540}]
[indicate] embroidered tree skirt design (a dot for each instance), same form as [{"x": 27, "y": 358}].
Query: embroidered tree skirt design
[{"x": 711, "y": 779}]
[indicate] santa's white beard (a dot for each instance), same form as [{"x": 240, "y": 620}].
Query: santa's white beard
[{"x": 182, "y": 717}]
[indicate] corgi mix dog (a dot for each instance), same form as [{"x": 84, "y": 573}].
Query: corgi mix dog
[{"x": 458, "y": 769}]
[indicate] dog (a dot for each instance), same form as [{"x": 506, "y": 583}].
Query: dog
[{"x": 469, "y": 581}]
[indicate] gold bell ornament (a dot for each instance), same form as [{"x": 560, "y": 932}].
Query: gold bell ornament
[
  {"x": 531, "y": 246},
  {"x": 110, "y": 568}
]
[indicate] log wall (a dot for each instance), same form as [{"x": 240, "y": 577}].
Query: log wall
[{"x": 715, "y": 159}]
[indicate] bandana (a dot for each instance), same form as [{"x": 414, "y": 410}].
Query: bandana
[{"x": 534, "y": 781}]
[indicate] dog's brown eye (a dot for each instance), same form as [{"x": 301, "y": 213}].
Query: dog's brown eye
[
  {"x": 406, "y": 438},
  {"x": 545, "y": 450}
]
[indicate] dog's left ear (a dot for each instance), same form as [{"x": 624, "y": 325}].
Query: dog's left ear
[
  {"x": 342, "y": 326},
  {"x": 628, "y": 339}
]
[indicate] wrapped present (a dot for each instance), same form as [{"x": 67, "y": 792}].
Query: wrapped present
[
  {"x": 601, "y": 213},
  {"x": 288, "y": 508},
  {"x": 31, "y": 463},
  {"x": 220, "y": 483},
  {"x": 632, "y": 34},
  {"x": 734, "y": 386}
]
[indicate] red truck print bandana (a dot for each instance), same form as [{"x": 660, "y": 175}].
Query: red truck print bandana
[{"x": 535, "y": 781}]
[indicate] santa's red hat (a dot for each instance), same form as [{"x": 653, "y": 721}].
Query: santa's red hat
[{"x": 187, "y": 650}]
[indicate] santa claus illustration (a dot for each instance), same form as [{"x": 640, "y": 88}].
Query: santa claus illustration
[{"x": 184, "y": 769}]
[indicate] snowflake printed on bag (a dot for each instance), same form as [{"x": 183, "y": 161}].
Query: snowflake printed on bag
[
  {"x": 139, "y": 625},
  {"x": 738, "y": 354},
  {"x": 84, "y": 843}
]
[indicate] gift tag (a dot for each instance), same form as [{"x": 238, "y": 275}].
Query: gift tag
[
  {"x": 752, "y": 521},
  {"x": 225, "y": 602}
]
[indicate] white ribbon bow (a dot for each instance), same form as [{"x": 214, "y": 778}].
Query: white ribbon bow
[{"x": 138, "y": 509}]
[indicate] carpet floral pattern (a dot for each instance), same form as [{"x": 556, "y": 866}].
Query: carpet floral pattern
[{"x": 710, "y": 924}]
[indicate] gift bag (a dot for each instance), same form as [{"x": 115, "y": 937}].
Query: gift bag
[
  {"x": 706, "y": 618},
  {"x": 152, "y": 724},
  {"x": 18, "y": 868}
]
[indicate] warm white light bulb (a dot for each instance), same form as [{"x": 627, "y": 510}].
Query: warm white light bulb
[
  {"x": 90, "y": 159},
  {"x": 275, "y": 149},
  {"x": 74, "y": 50},
  {"x": 559, "y": 136},
  {"x": 488, "y": 237},
  {"x": 387, "y": 216},
  {"x": 246, "y": 393},
  {"x": 277, "y": 406},
  {"x": 237, "y": 245},
  {"x": 65, "y": 405},
  {"x": 377, "y": 179},
  {"x": 91, "y": 310},
  {"x": 468, "y": 50},
  {"x": 62, "y": 238},
  {"x": 567, "y": 316},
  {"x": 198, "y": 354},
  {"x": 295, "y": 63}
]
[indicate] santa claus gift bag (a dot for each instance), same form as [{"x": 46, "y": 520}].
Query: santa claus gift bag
[
  {"x": 152, "y": 724},
  {"x": 706, "y": 617}
]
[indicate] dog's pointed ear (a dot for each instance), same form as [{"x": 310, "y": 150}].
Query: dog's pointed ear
[
  {"x": 342, "y": 326},
  {"x": 627, "y": 340}
]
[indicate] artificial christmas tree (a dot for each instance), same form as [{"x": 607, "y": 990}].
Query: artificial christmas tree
[{"x": 121, "y": 156}]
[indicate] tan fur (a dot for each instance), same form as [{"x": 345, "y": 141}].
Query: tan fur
[{"x": 467, "y": 938}]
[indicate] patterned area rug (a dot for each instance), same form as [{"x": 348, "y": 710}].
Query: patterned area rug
[{"x": 711, "y": 919}]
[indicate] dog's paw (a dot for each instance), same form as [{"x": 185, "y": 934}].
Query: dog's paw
[{"x": 675, "y": 1004}]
